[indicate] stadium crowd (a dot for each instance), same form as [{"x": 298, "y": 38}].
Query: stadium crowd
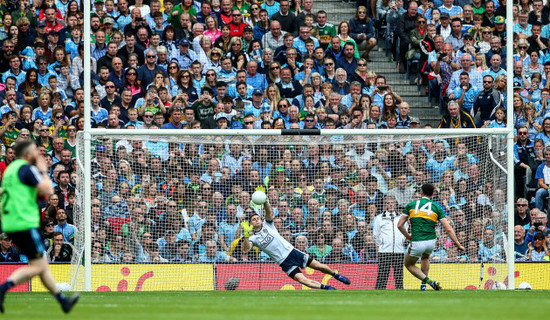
[{"x": 239, "y": 65}]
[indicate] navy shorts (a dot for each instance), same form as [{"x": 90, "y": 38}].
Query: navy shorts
[
  {"x": 29, "y": 243},
  {"x": 295, "y": 260}
]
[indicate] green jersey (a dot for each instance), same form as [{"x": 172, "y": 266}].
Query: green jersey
[
  {"x": 326, "y": 32},
  {"x": 423, "y": 214},
  {"x": 10, "y": 136},
  {"x": 19, "y": 208}
]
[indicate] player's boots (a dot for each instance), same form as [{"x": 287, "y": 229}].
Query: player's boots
[
  {"x": 423, "y": 287},
  {"x": 331, "y": 288},
  {"x": 434, "y": 284},
  {"x": 341, "y": 278},
  {"x": 69, "y": 303}
]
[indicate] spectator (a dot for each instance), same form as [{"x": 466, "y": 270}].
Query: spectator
[
  {"x": 289, "y": 22},
  {"x": 8, "y": 252},
  {"x": 60, "y": 251},
  {"x": 406, "y": 23}
]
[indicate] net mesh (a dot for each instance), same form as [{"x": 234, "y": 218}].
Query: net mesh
[{"x": 166, "y": 210}]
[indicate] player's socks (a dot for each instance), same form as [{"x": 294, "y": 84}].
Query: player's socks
[
  {"x": 3, "y": 289},
  {"x": 426, "y": 280},
  {"x": 6, "y": 286},
  {"x": 67, "y": 303},
  {"x": 325, "y": 287},
  {"x": 341, "y": 278},
  {"x": 434, "y": 284}
]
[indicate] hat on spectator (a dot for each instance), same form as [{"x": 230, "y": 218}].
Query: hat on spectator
[
  {"x": 248, "y": 28},
  {"x": 444, "y": 15},
  {"x": 499, "y": 19},
  {"x": 248, "y": 112},
  {"x": 415, "y": 120},
  {"x": 53, "y": 33},
  {"x": 257, "y": 91},
  {"x": 3, "y": 236},
  {"x": 280, "y": 169},
  {"x": 184, "y": 42},
  {"x": 99, "y": 1},
  {"x": 108, "y": 20},
  {"x": 469, "y": 36},
  {"x": 41, "y": 24},
  {"x": 100, "y": 148},
  {"x": 222, "y": 115},
  {"x": 517, "y": 85},
  {"x": 265, "y": 108}
]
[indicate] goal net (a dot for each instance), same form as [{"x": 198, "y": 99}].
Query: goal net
[{"x": 166, "y": 210}]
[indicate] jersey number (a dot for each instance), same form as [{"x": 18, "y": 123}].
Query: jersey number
[{"x": 425, "y": 208}]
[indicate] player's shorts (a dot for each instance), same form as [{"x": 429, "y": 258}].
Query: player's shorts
[
  {"x": 418, "y": 248},
  {"x": 295, "y": 260},
  {"x": 29, "y": 243}
]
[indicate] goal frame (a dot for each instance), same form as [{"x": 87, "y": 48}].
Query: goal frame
[{"x": 86, "y": 164}]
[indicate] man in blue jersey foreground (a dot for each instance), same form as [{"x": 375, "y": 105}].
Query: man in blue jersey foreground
[
  {"x": 424, "y": 214},
  {"x": 264, "y": 235},
  {"x": 24, "y": 180}
]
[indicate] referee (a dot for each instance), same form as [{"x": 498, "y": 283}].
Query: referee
[{"x": 24, "y": 180}]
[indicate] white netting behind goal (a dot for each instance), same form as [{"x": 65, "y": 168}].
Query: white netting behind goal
[{"x": 166, "y": 210}]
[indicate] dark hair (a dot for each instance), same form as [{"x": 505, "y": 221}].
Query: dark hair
[
  {"x": 428, "y": 189},
  {"x": 22, "y": 147}
]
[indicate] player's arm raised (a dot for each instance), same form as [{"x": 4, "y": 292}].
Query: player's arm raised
[
  {"x": 451, "y": 233},
  {"x": 268, "y": 211},
  {"x": 401, "y": 226}
]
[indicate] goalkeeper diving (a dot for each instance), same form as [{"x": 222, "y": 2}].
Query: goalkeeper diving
[{"x": 263, "y": 234}]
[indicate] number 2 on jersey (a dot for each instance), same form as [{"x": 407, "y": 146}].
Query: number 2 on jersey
[{"x": 427, "y": 207}]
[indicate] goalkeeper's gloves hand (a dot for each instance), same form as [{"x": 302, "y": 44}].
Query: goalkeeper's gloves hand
[{"x": 246, "y": 228}]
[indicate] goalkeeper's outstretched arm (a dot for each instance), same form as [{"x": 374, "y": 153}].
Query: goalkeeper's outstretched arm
[{"x": 268, "y": 211}]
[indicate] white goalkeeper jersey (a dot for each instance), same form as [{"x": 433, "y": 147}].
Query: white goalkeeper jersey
[{"x": 270, "y": 241}]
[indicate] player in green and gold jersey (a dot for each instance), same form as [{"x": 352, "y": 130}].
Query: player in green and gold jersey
[
  {"x": 24, "y": 180},
  {"x": 424, "y": 214}
]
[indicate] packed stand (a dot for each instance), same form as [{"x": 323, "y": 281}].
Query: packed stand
[{"x": 219, "y": 64}]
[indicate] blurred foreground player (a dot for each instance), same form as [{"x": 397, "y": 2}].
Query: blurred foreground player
[
  {"x": 424, "y": 214},
  {"x": 265, "y": 236},
  {"x": 24, "y": 180}
]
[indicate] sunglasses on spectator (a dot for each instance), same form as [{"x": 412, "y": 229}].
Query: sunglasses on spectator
[
  {"x": 522, "y": 205},
  {"x": 148, "y": 116},
  {"x": 249, "y": 122},
  {"x": 487, "y": 32},
  {"x": 274, "y": 68},
  {"x": 361, "y": 12},
  {"x": 109, "y": 87},
  {"x": 522, "y": 47},
  {"x": 329, "y": 64},
  {"x": 131, "y": 74},
  {"x": 50, "y": 225},
  {"x": 361, "y": 64},
  {"x": 44, "y": 130}
]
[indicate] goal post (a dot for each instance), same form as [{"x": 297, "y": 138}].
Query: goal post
[{"x": 292, "y": 174}]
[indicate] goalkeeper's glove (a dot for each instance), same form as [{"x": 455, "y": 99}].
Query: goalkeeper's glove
[{"x": 246, "y": 228}]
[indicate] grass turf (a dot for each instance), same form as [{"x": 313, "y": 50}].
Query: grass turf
[{"x": 341, "y": 305}]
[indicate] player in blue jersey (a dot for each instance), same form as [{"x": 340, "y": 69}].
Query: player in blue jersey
[{"x": 263, "y": 234}]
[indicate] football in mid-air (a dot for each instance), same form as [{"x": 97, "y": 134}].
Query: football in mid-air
[
  {"x": 259, "y": 197},
  {"x": 231, "y": 283}
]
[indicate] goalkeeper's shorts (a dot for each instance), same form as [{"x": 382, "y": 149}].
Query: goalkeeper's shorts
[
  {"x": 295, "y": 260},
  {"x": 418, "y": 248}
]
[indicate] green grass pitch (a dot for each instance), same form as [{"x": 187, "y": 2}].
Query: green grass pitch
[{"x": 340, "y": 305}]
